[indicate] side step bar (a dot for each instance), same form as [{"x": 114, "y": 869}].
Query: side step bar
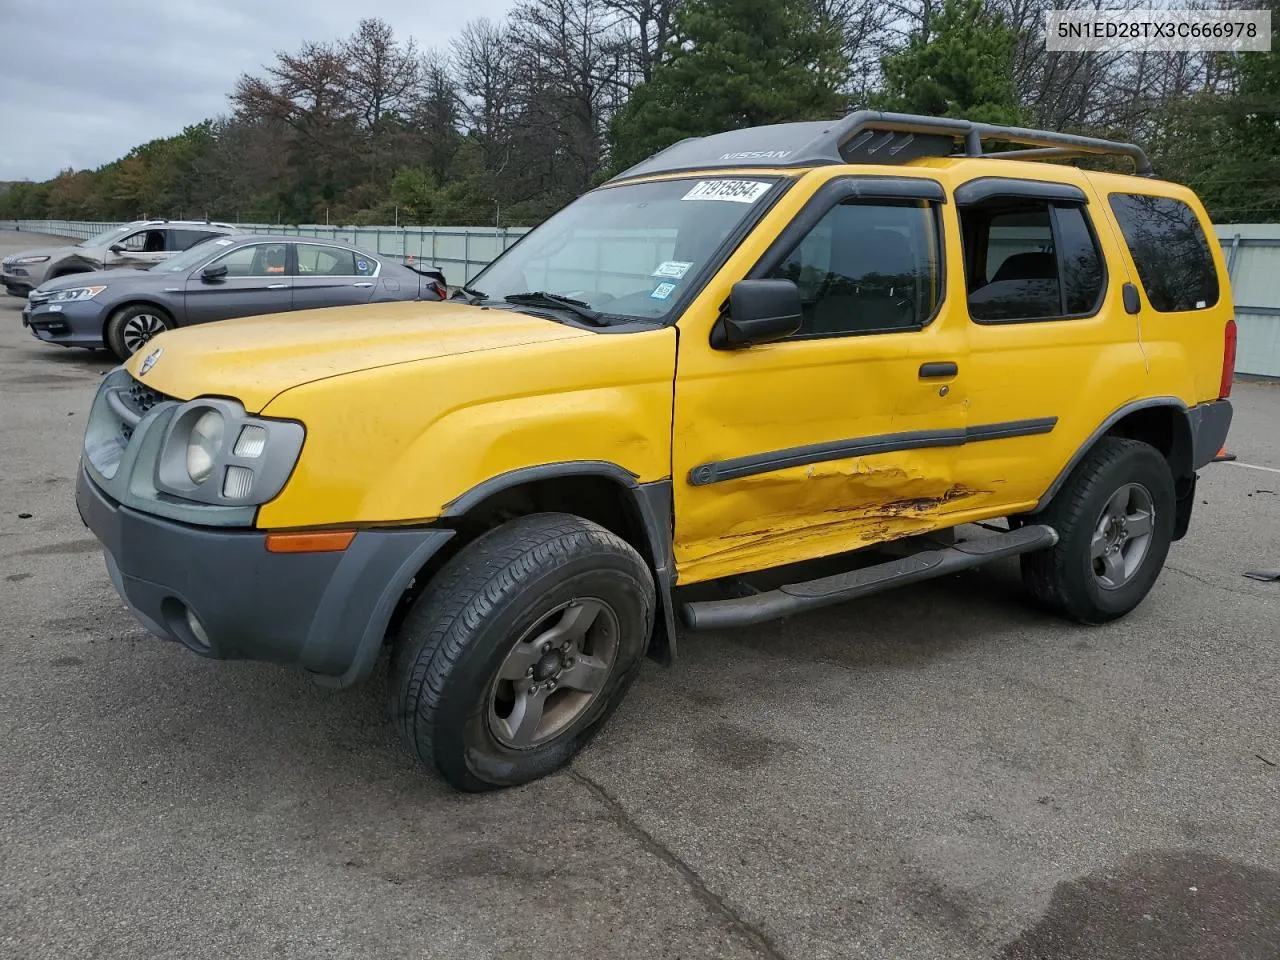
[{"x": 825, "y": 591}]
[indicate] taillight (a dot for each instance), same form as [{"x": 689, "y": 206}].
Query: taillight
[
  {"x": 438, "y": 287},
  {"x": 1228, "y": 360}
]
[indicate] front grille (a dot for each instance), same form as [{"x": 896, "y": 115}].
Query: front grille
[{"x": 140, "y": 399}]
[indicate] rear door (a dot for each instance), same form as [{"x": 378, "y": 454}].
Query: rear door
[
  {"x": 258, "y": 280},
  {"x": 333, "y": 276}
]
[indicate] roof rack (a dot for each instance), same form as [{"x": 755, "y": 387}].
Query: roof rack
[{"x": 869, "y": 136}]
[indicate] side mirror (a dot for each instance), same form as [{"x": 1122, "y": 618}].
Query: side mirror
[
  {"x": 116, "y": 248},
  {"x": 212, "y": 274},
  {"x": 759, "y": 311}
]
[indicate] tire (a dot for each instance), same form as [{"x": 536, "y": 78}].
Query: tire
[
  {"x": 1117, "y": 477},
  {"x": 543, "y": 576},
  {"x": 130, "y": 327}
]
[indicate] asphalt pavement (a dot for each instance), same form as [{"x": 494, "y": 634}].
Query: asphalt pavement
[{"x": 938, "y": 772}]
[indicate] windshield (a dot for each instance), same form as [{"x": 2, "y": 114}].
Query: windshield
[
  {"x": 105, "y": 238},
  {"x": 626, "y": 251},
  {"x": 192, "y": 256}
]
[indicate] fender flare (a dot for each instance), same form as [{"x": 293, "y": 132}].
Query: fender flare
[
  {"x": 1114, "y": 418},
  {"x": 653, "y": 504}
]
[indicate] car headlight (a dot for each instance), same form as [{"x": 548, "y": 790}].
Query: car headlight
[
  {"x": 215, "y": 452},
  {"x": 203, "y": 445},
  {"x": 75, "y": 293},
  {"x": 23, "y": 260}
]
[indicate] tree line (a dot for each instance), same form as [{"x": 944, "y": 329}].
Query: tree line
[{"x": 518, "y": 116}]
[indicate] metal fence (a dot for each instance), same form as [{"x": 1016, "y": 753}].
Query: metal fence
[
  {"x": 461, "y": 252},
  {"x": 1252, "y": 251}
]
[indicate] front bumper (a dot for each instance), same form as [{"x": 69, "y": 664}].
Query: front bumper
[
  {"x": 67, "y": 324},
  {"x": 325, "y": 612}
]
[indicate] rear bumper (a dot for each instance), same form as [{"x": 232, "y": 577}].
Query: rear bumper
[
  {"x": 1210, "y": 423},
  {"x": 325, "y": 612}
]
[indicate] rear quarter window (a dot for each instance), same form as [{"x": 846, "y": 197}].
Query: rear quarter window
[{"x": 1170, "y": 251}]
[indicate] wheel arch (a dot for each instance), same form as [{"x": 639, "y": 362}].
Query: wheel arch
[
  {"x": 596, "y": 490},
  {"x": 1162, "y": 422}
]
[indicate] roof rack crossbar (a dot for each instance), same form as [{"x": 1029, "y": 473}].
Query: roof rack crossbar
[{"x": 976, "y": 134}]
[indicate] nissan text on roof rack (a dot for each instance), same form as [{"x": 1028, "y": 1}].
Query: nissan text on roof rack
[{"x": 802, "y": 342}]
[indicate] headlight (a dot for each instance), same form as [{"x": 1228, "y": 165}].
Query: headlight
[
  {"x": 30, "y": 260},
  {"x": 214, "y": 452},
  {"x": 203, "y": 446},
  {"x": 76, "y": 293}
]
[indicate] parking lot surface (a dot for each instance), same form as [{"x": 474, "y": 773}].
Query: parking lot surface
[{"x": 938, "y": 772}]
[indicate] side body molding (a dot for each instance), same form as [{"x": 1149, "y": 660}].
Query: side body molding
[{"x": 652, "y": 503}]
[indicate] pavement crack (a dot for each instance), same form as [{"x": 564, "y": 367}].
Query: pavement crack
[
  {"x": 760, "y": 940},
  {"x": 1209, "y": 583}
]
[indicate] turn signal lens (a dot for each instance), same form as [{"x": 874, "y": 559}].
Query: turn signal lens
[
  {"x": 237, "y": 483},
  {"x": 310, "y": 541},
  {"x": 251, "y": 442}
]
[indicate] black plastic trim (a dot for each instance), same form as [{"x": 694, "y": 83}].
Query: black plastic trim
[
  {"x": 1101, "y": 431},
  {"x": 983, "y": 189},
  {"x": 939, "y": 369},
  {"x": 738, "y": 467},
  {"x": 1210, "y": 424},
  {"x": 825, "y": 591},
  {"x": 461, "y": 504}
]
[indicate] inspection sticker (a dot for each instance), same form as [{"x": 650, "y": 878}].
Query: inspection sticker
[
  {"x": 675, "y": 269},
  {"x": 662, "y": 291},
  {"x": 735, "y": 191}
]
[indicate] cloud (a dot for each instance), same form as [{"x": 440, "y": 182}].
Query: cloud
[{"x": 86, "y": 82}]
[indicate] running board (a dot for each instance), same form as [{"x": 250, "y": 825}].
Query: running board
[{"x": 825, "y": 591}]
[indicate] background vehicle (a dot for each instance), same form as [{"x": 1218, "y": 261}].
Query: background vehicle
[
  {"x": 231, "y": 276},
  {"x": 791, "y": 345},
  {"x": 139, "y": 244}
]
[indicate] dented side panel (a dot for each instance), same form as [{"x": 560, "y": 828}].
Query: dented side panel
[{"x": 775, "y": 397}]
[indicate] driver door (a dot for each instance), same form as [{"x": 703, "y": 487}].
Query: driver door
[
  {"x": 258, "y": 280},
  {"x": 139, "y": 250},
  {"x": 844, "y": 434}
]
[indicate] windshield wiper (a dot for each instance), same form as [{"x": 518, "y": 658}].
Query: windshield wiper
[
  {"x": 472, "y": 297},
  {"x": 540, "y": 298}
]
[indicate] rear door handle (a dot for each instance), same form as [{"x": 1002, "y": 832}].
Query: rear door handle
[
  {"x": 363, "y": 283},
  {"x": 929, "y": 371},
  {"x": 277, "y": 286}
]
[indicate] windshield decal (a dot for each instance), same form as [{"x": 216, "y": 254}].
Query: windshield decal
[
  {"x": 734, "y": 191},
  {"x": 674, "y": 269},
  {"x": 663, "y": 290}
]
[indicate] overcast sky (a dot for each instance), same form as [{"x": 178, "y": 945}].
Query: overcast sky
[{"x": 84, "y": 81}]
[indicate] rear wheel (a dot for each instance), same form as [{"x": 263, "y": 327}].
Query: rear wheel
[
  {"x": 520, "y": 649},
  {"x": 131, "y": 327},
  {"x": 1115, "y": 519}
]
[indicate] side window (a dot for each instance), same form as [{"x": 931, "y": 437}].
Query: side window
[
  {"x": 319, "y": 261},
  {"x": 186, "y": 239},
  {"x": 867, "y": 268},
  {"x": 134, "y": 242},
  {"x": 256, "y": 260},
  {"x": 1169, "y": 250},
  {"x": 1028, "y": 259}
]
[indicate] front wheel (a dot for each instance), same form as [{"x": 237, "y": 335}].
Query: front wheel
[
  {"x": 131, "y": 327},
  {"x": 520, "y": 649},
  {"x": 1115, "y": 520}
]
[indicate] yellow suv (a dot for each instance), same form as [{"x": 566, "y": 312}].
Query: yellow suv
[{"x": 750, "y": 351}]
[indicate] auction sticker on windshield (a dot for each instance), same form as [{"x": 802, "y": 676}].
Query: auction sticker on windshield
[{"x": 735, "y": 191}]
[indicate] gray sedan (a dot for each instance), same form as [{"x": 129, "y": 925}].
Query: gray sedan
[{"x": 237, "y": 276}]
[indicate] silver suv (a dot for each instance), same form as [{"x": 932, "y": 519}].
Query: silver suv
[{"x": 138, "y": 244}]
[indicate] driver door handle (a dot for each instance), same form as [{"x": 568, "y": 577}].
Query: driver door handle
[
  {"x": 277, "y": 286},
  {"x": 938, "y": 369},
  {"x": 363, "y": 283}
]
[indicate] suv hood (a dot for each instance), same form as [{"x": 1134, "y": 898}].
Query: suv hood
[{"x": 256, "y": 358}]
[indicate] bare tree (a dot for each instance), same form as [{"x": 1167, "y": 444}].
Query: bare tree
[{"x": 382, "y": 73}]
